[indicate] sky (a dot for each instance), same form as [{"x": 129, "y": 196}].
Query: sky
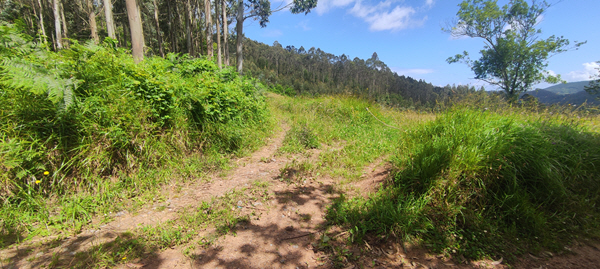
[{"x": 407, "y": 36}]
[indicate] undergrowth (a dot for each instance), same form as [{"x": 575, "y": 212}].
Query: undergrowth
[
  {"x": 479, "y": 184},
  {"x": 85, "y": 127}
]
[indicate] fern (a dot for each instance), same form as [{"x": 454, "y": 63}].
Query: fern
[{"x": 22, "y": 66}]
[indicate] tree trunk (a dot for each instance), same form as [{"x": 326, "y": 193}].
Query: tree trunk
[
  {"x": 141, "y": 22},
  {"x": 64, "y": 24},
  {"x": 188, "y": 27},
  {"x": 209, "y": 31},
  {"x": 92, "y": 20},
  {"x": 56, "y": 10},
  {"x": 172, "y": 37},
  {"x": 110, "y": 25},
  {"x": 158, "y": 36},
  {"x": 218, "y": 34},
  {"x": 225, "y": 29},
  {"x": 137, "y": 33},
  {"x": 197, "y": 21},
  {"x": 239, "y": 28},
  {"x": 42, "y": 28}
]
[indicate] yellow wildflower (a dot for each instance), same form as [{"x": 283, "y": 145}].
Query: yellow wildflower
[
  {"x": 38, "y": 181},
  {"x": 46, "y": 173}
]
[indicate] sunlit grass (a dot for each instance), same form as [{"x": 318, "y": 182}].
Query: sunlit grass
[{"x": 476, "y": 183}]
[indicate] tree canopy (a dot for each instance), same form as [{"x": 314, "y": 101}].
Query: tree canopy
[{"x": 514, "y": 56}]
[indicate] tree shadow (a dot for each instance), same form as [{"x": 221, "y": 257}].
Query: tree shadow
[{"x": 89, "y": 251}]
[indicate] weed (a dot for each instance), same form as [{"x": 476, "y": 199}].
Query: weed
[{"x": 296, "y": 171}]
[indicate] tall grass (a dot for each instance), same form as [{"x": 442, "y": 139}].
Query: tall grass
[
  {"x": 348, "y": 135},
  {"x": 88, "y": 120},
  {"x": 476, "y": 184}
]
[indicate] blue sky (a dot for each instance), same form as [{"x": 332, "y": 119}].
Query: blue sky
[{"x": 407, "y": 36}]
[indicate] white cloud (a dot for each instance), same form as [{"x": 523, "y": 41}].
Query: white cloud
[
  {"x": 380, "y": 18},
  {"x": 590, "y": 70},
  {"x": 325, "y": 5},
  {"x": 429, "y": 3},
  {"x": 303, "y": 25}
]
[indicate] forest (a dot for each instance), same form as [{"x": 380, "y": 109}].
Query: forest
[{"x": 142, "y": 133}]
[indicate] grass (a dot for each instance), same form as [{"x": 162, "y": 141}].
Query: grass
[
  {"x": 479, "y": 184},
  {"x": 348, "y": 136}
]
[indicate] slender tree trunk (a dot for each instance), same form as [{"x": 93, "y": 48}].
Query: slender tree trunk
[
  {"x": 218, "y": 34},
  {"x": 158, "y": 36},
  {"x": 209, "y": 31},
  {"x": 137, "y": 34},
  {"x": 197, "y": 21},
  {"x": 172, "y": 37},
  {"x": 188, "y": 27},
  {"x": 239, "y": 28},
  {"x": 57, "y": 24},
  {"x": 110, "y": 25},
  {"x": 92, "y": 19},
  {"x": 43, "y": 29},
  {"x": 141, "y": 22},
  {"x": 225, "y": 29},
  {"x": 64, "y": 25}
]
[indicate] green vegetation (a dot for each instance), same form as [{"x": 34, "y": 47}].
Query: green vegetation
[
  {"x": 514, "y": 57},
  {"x": 86, "y": 131},
  {"x": 348, "y": 136},
  {"x": 476, "y": 184},
  {"x": 85, "y": 127}
]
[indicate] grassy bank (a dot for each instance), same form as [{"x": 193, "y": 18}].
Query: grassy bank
[
  {"x": 87, "y": 131},
  {"x": 478, "y": 184}
]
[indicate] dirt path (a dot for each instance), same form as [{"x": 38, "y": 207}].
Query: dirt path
[{"x": 286, "y": 230}]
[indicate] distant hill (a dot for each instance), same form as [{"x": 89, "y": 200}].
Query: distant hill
[
  {"x": 547, "y": 97},
  {"x": 568, "y": 88}
]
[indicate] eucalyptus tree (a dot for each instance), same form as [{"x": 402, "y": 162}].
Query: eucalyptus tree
[
  {"x": 90, "y": 9},
  {"x": 514, "y": 56},
  {"x": 57, "y": 21},
  {"x": 137, "y": 33},
  {"x": 108, "y": 14},
  {"x": 260, "y": 10},
  {"x": 225, "y": 29}
]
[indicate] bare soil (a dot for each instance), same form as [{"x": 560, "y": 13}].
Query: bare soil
[{"x": 287, "y": 232}]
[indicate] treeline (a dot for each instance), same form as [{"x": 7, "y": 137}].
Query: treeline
[
  {"x": 177, "y": 26},
  {"x": 147, "y": 27},
  {"x": 313, "y": 71}
]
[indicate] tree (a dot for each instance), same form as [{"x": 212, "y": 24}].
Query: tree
[
  {"x": 157, "y": 25},
  {"x": 209, "y": 29},
  {"x": 514, "y": 56},
  {"x": 137, "y": 33},
  {"x": 225, "y": 29},
  {"x": 594, "y": 87},
  {"x": 57, "y": 29},
  {"x": 261, "y": 10},
  {"x": 218, "y": 34},
  {"x": 92, "y": 21},
  {"x": 110, "y": 26}
]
